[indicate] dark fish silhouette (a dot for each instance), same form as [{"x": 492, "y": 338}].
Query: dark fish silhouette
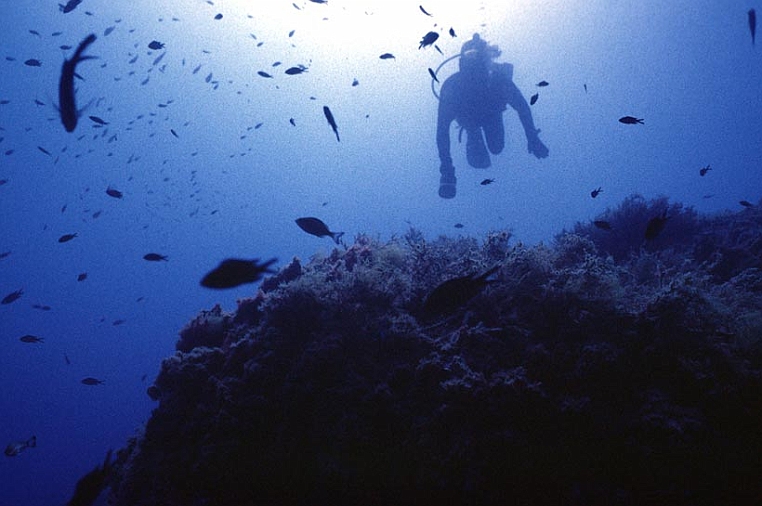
[
  {"x": 67, "y": 237},
  {"x": 533, "y": 98},
  {"x": 745, "y": 203},
  {"x": 630, "y": 120},
  {"x": 14, "y": 449},
  {"x": 753, "y": 24},
  {"x": 655, "y": 226},
  {"x": 542, "y": 84},
  {"x": 331, "y": 121},
  {"x": 96, "y": 119},
  {"x": 112, "y": 192},
  {"x": 452, "y": 32},
  {"x": 264, "y": 74},
  {"x": 316, "y": 227},
  {"x": 81, "y": 276},
  {"x": 455, "y": 293},
  {"x": 33, "y": 62},
  {"x": 70, "y": 6},
  {"x": 293, "y": 71},
  {"x": 91, "y": 485},
  {"x": 603, "y": 225},
  {"x": 155, "y": 44},
  {"x": 387, "y": 56},
  {"x": 91, "y": 381},
  {"x": 66, "y": 93},
  {"x": 218, "y": 17},
  {"x": 433, "y": 75},
  {"x": 485, "y": 182},
  {"x": 155, "y": 257},
  {"x": 596, "y": 192},
  {"x": 234, "y": 272},
  {"x": 29, "y": 338},
  {"x": 424, "y": 11},
  {"x": 428, "y": 39},
  {"x": 704, "y": 170}
]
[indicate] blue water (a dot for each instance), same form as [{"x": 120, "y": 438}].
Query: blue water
[{"x": 222, "y": 187}]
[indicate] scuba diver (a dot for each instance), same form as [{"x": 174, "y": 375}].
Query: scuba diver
[{"x": 476, "y": 97}]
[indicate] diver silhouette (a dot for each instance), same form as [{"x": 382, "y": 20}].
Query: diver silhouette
[{"x": 476, "y": 97}]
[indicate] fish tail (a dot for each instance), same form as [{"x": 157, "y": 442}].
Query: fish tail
[
  {"x": 32, "y": 442},
  {"x": 337, "y": 236}
]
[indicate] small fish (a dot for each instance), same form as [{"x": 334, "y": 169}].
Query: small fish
[
  {"x": 331, "y": 121},
  {"x": 81, "y": 276},
  {"x": 112, "y": 192},
  {"x": 67, "y": 237},
  {"x": 753, "y": 24},
  {"x": 745, "y": 203},
  {"x": 596, "y": 192},
  {"x": 387, "y": 56},
  {"x": 603, "y": 225},
  {"x": 29, "y": 338},
  {"x": 452, "y": 32},
  {"x": 156, "y": 45},
  {"x": 458, "y": 225},
  {"x": 292, "y": 121},
  {"x": 91, "y": 381},
  {"x": 35, "y": 32},
  {"x": 154, "y": 257},
  {"x": 293, "y": 71},
  {"x": 630, "y": 120},
  {"x": 14, "y": 449},
  {"x": 655, "y": 226},
  {"x": 116, "y": 323},
  {"x": 264, "y": 74},
  {"x": 44, "y": 150},
  {"x": 233, "y": 272},
  {"x": 424, "y": 11},
  {"x": 12, "y": 297},
  {"x": 355, "y": 82},
  {"x": 455, "y": 293},
  {"x": 433, "y": 75},
  {"x": 96, "y": 119},
  {"x": 704, "y": 170},
  {"x": 428, "y": 39},
  {"x": 319, "y": 1},
  {"x": 291, "y": 33},
  {"x": 172, "y": 131},
  {"x": 218, "y": 17},
  {"x": 316, "y": 227},
  {"x": 533, "y": 98},
  {"x": 585, "y": 87},
  {"x": 485, "y": 182},
  {"x": 70, "y": 6},
  {"x": 542, "y": 84},
  {"x": 5, "y": 254},
  {"x": 66, "y": 359},
  {"x": 32, "y": 62}
]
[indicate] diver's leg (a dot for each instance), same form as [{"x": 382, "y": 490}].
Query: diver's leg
[
  {"x": 494, "y": 131},
  {"x": 447, "y": 181},
  {"x": 476, "y": 152}
]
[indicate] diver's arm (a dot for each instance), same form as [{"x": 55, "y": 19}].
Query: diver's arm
[{"x": 519, "y": 103}]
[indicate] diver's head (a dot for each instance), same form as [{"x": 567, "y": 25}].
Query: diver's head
[{"x": 476, "y": 54}]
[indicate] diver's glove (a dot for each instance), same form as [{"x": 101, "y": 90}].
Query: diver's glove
[{"x": 535, "y": 145}]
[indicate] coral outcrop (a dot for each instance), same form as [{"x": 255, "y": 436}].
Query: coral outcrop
[{"x": 597, "y": 370}]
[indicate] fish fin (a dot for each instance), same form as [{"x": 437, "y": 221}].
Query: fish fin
[{"x": 337, "y": 236}]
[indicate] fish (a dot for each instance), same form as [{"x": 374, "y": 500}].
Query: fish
[
  {"x": 156, "y": 45},
  {"x": 70, "y": 6},
  {"x": 118, "y": 322},
  {"x": 655, "y": 226},
  {"x": 14, "y": 449},
  {"x": 704, "y": 170},
  {"x": 293, "y": 71},
  {"x": 91, "y": 381},
  {"x": 424, "y": 11},
  {"x": 319, "y": 1},
  {"x": 44, "y": 150},
  {"x": 218, "y": 17},
  {"x": 355, "y": 82},
  {"x": 264, "y": 74},
  {"x": 485, "y": 182},
  {"x": 387, "y": 56},
  {"x": 630, "y": 120},
  {"x": 533, "y": 98},
  {"x": 81, "y": 276},
  {"x": 112, "y": 192},
  {"x": 96, "y": 119},
  {"x": 66, "y": 359},
  {"x": 433, "y": 75},
  {"x": 455, "y": 293},
  {"x": 29, "y": 338},
  {"x": 41, "y": 307},
  {"x": 452, "y": 32},
  {"x": 234, "y": 272},
  {"x": 542, "y": 84},
  {"x": 753, "y": 24},
  {"x": 172, "y": 131},
  {"x": 67, "y": 237},
  {"x": 603, "y": 225},
  {"x": 458, "y": 225},
  {"x": 91, "y": 485},
  {"x": 428, "y": 39},
  {"x": 5, "y": 254},
  {"x": 35, "y": 32},
  {"x": 66, "y": 93},
  {"x": 316, "y": 227},
  {"x": 596, "y": 192},
  {"x": 155, "y": 257},
  {"x": 291, "y": 33},
  {"x": 13, "y": 296},
  {"x": 745, "y": 203},
  {"x": 33, "y": 62},
  {"x": 331, "y": 121},
  {"x": 292, "y": 121},
  {"x": 108, "y": 31}
]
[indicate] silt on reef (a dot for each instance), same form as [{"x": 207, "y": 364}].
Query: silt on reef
[{"x": 575, "y": 377}]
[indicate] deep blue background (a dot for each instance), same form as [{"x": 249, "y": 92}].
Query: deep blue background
[{"x": 225, "y": 188}]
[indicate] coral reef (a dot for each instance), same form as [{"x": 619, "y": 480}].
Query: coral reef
[{"x": 597, "y": 370}]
